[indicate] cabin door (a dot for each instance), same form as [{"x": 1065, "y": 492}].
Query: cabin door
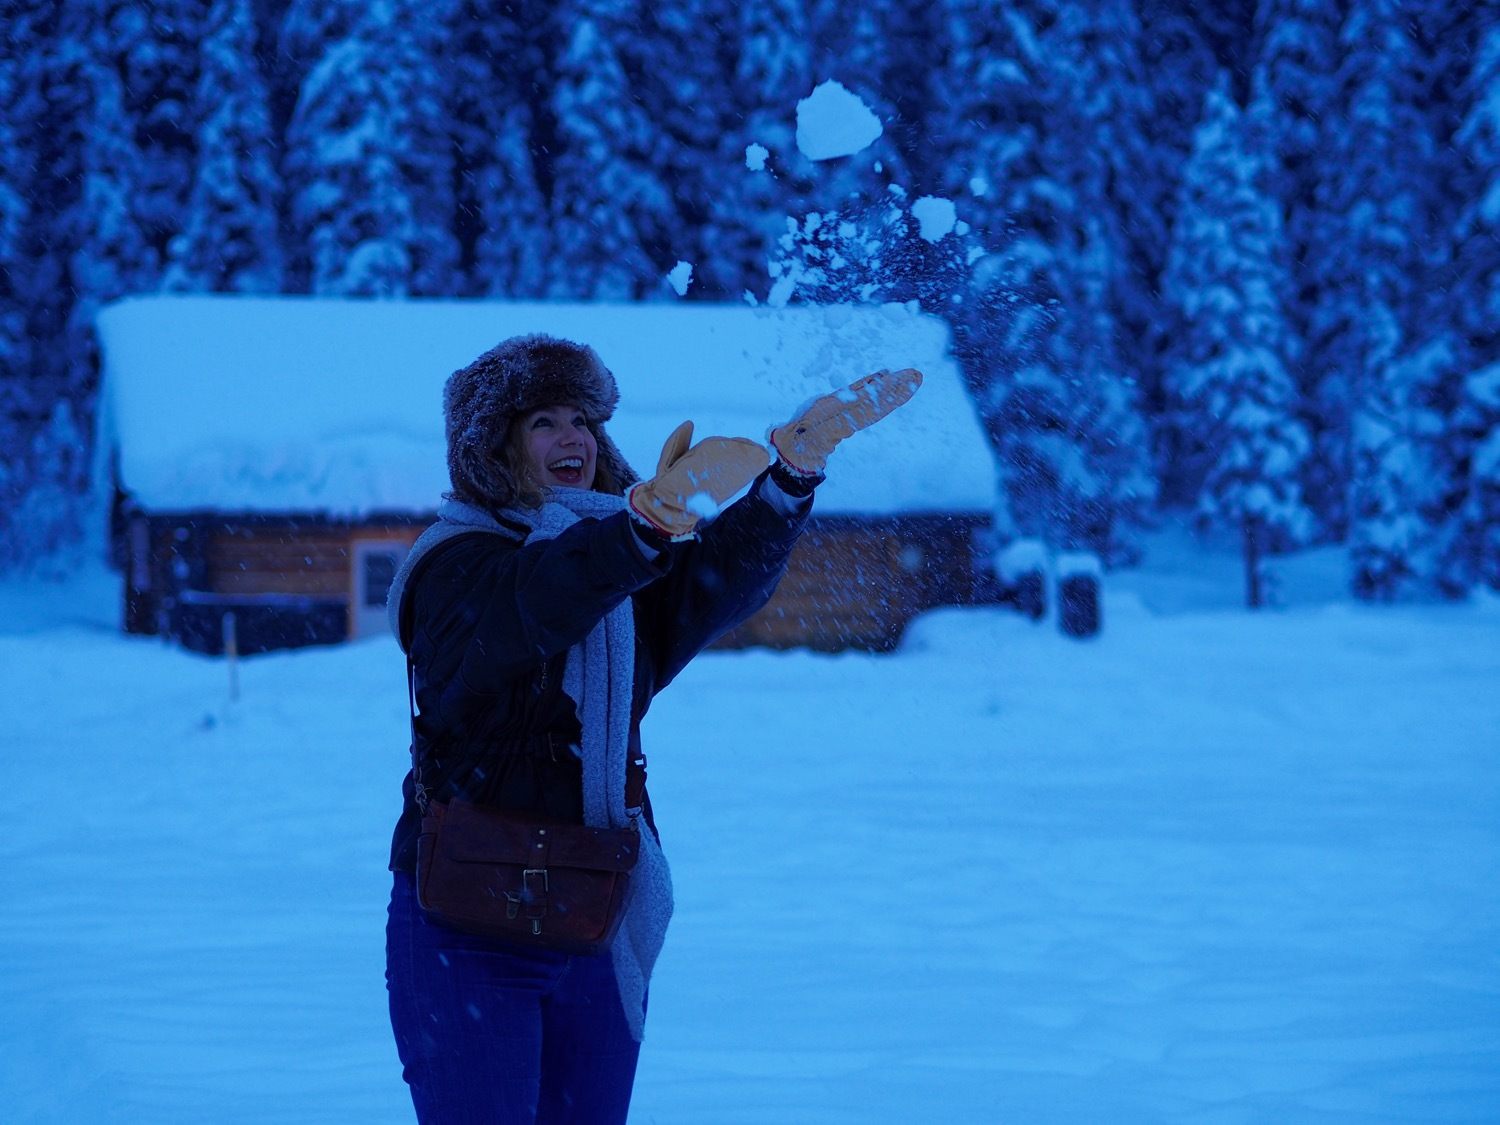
[{"x": 375, "y": 564}]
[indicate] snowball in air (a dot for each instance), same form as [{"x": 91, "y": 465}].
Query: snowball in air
[
  {"x": 833, "y": 122},
  {"x": 681, "y": 277},
  {"x": 936, "y": 215},
  {"x": 755, "y": 157}
]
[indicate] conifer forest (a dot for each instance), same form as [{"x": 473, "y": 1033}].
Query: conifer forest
[{"x": 1237, "y": 262}]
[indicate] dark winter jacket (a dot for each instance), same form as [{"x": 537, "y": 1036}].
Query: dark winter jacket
[{"x": 491, "y": 622}]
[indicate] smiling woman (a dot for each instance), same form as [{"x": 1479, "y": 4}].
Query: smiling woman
[{"x": 554, "y": 597}]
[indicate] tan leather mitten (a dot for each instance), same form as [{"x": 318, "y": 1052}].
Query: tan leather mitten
[
  {"x": 804, "y": 443},
  {"x": 693, "y": 481}
]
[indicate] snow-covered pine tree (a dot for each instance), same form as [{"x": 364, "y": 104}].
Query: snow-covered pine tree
[
  {"x": 15, "y": 220},
  {"x": 294, "y": 35},
  {"x": 1373, "y": 233},
  {"x": 1038, "y": 340},
  {"x": 1179, "y": 69},
  {"x": 850, "y": 46},
  {"x": 1227, "y": 29},
  {"x": 51, "y": 91},
  {"x": 1375, "y": 400},
  {"x": 682, "y": 54},
  {"x": 229, "y": 240},
  {"x": 759, "y": 187},
  {"x": 912, "y": 37},
  {"x": 611, "y": 213},
  {"x": 1474, "y": 436},
  {"x": 1102, "y": 41},
  {"x": 154, "y": 49},
  {"x": 15, "y": 345},
  {"x": 97, "y": 253},
  {"x": 1394, "y": 548},
  {"x": 498, "y": 65},
  {"x": 1297, "y": 64},
  {"x": 986, "y": 137},
  {"x": 368, "y": 169},
  {"x": 311, "y": 28},
  {"x": 1233, "y": 400}
]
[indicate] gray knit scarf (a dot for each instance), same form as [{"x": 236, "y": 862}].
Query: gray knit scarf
[{"x": 599, "y": 677}]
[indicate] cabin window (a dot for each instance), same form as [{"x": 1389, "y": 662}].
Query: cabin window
[
  {"x": 375, "y": 564},
  {"x": 380, "y": 571}
]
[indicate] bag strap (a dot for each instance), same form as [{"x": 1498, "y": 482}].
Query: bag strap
[{"x": 403, "y": 619}]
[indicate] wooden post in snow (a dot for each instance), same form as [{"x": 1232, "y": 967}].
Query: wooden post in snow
[{"x": 232, "y": 655}]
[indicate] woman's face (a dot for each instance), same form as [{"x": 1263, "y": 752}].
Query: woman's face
[{"x": 559, "y": 447}]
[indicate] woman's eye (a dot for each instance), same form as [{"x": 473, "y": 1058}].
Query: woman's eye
[
  {"x": 540, "y": 422},
  {"x": 581, "y": 422}
]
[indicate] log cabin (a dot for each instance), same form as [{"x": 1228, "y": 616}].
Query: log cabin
[{"x": 273, "y": 458}]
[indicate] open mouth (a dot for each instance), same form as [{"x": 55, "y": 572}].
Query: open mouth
[{"x": 567, "y": 470}]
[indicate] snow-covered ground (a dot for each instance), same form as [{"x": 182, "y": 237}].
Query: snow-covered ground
[{"x": 1209, "y": 867}]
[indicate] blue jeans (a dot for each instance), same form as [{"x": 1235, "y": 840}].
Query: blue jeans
[{"x": 489, "y": 1032}]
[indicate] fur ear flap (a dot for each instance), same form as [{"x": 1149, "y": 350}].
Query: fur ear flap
[{"x": 524, "y": 373}]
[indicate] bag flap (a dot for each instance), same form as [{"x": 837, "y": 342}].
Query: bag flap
[{"x": 474, "y": 834}]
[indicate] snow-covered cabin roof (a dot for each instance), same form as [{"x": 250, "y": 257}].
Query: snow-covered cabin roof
[{"x": 335, "y": 406}]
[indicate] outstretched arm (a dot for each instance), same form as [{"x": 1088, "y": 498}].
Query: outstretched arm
[
  {"x": 488, "y": 609},
  {"x": 732, "y": 570},
  {"x": 722, "y": 579}
]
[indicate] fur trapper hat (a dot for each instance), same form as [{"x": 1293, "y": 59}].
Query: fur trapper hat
[{"x": 522, "y": 374}]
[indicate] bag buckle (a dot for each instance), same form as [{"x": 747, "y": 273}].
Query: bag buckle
[{"x": 533, "y": 895}]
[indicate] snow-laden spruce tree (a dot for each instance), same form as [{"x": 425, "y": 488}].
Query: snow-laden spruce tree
[
  {"x": 1379, "y": 381},
  {"x": 309, "y": 28},
  {"x": 1179, "y": 69},
  {"x": 15, "y": 344},
  {"x": 1474, "y": 437},
  {"x": 1373, "y": 233},
  {"x": 1110, "y": 90},
  {"x": 15, "y": 219},
  {"x": 154, "y": 50},
  {"x": 1233, "y": 402},
  {"x": 683, "y": 54},
  {"x": 1394, "y": 547},
  {"x": 1036, "y": 335},
  {"x": 368, "y": 168},
  {"x": 100, "y": 254},
  {"x": 110, "y": 256},
  {"x": 762, "y": 177},
  {"x": 850, "y": 46},
  {"x": 496, "y": 65},
  {"x": 611, "y": 212},
  {"x": 229, "y": 241},
  {"x": 1298, "y": 63}
]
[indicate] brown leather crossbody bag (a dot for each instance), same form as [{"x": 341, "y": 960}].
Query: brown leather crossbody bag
[
  {"x": 523, "y": 878},
  {"x": 535, "y": 882}
]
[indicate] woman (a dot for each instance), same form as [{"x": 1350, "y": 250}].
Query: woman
[{"x": 553, "y": 598}]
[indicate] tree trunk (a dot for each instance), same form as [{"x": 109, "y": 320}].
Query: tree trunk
[{"x": 1253, "y": 592}]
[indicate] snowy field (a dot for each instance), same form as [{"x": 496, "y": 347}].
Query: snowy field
[{"x": 1209, "y": 867}]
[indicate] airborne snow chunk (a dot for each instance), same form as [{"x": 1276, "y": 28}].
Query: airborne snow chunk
[
  {"x": 755, "y": 157},
  {"x": 936, "y": 215},
  {"x": 833, "y": 122},
  {"x": 680, "y": 277}
]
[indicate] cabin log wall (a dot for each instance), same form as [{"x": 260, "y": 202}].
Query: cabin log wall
[{"x": 850, "y": 582}]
